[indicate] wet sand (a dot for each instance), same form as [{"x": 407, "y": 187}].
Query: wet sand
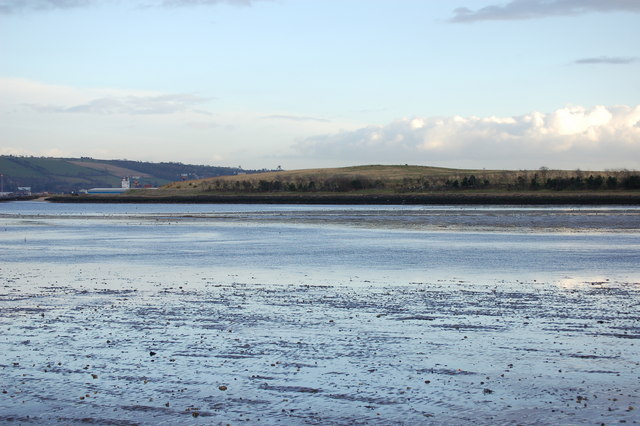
[{"x": 102, "y": 344}]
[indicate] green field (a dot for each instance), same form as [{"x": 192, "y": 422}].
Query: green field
[{"x": 44, "y": 174}]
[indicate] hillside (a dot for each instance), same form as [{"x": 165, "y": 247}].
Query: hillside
[
  {"x": 44, "y": 174},
  {"x": 409, "y": 179}
]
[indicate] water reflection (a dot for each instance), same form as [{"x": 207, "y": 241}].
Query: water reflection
[
  {"x": 581, "y": 282},
  {"x": 412, "y": 243}
]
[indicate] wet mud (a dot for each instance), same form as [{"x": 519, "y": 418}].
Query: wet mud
[{"x": 99, "y": 345}]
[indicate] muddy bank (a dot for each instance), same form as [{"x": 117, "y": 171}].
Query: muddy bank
[{"x": 371, "y": 199}]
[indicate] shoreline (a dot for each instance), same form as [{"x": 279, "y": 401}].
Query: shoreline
[{"x": 361, "y": 199}]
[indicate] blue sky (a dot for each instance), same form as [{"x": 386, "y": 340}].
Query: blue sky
[{"x": 323, "y": 83}]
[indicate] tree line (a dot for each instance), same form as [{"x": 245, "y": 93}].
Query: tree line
[
  {"x": 525, "y": 181},
  {"x": 510, "y": 181}
]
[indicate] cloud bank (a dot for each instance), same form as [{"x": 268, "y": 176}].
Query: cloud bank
[
  {"x": 599, "y": 137},
  {"x": 532, "y": 9},
  {"x": 182, "y": 3},
  {"x": 294, "y": 118},
  {"x": 134, "y": 105},
  {"x": 9, "y": 7},
  {"x": 613, "y": 60}
]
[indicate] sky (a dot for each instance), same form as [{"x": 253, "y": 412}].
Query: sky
[{"x": 508, "y": 84}]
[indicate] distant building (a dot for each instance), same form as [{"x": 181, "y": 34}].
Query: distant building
[
  {"x": 23, "y": 190},
  {"x": 107, "y": 190},
  {"x": 125, "y": 185}
]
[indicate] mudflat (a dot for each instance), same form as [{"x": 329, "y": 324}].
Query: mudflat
[
  {"x": 124, "y": 347},
  {"x": 166, "y": 314}
]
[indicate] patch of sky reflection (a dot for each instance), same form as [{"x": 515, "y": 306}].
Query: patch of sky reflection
[{"x": 353, "y": 240}]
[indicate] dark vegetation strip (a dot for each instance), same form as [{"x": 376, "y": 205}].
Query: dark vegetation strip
[
  {"x": 387, "y": 180},
  {"x": 380, "y": 199},
  {"x": 19, "y": 198}
]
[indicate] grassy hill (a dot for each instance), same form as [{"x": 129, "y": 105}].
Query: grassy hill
[
  {"x": 72, "y": 174},
  {"x": 408, "y": 179}
]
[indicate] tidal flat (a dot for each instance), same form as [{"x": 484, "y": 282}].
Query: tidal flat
[{"x": 319, "y": 314}]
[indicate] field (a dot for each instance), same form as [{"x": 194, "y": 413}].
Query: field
[
  {"x": 44, "y": 174},
  {"x": 385, "y": 179}
]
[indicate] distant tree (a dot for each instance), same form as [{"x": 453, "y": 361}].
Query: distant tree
[
  {"x": 534, "y": 184},
  {"x": 469, "y": 182},
  {"x": 357, "y": 184},
  {"x": 264, "y": 186},
  {"x": 631, "y": 182},
  {"x": 594, "y": 182}
]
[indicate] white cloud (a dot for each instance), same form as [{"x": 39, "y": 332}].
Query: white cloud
[
  {"x": 574, "y": 136},
  {"x": 531, "y": 9},
  {"x": 10, "y": 150},
  {"x": 144, "y": 125},
  {"x": 56, "y": 152},
  {"x": 47, "y": 98}
]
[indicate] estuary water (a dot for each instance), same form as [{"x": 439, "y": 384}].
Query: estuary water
[{"x": 293, "y": 314}]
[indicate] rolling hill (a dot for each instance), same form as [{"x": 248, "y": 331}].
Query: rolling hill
[
  {"x": 45, "y": 174},
  {"x": 408, "y": 179}
]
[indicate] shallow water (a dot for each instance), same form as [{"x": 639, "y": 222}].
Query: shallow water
[{"x": 119, "y": 314}]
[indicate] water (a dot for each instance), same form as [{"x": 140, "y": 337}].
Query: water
[
  {"x": 318, "y": 314},
  {"x": 406, "y": 243}
]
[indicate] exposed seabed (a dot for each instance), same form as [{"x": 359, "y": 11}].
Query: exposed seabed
[{"x": 169, "y": 345}]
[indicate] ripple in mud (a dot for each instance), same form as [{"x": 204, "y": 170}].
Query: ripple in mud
[
  {"x": 446, "y": 371},
  {"x": 288, "y": 389},
  {"x": 467, "y": 327},
  {"x": 362, "y": 398},
  {"x": 582, "y": 356}
]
